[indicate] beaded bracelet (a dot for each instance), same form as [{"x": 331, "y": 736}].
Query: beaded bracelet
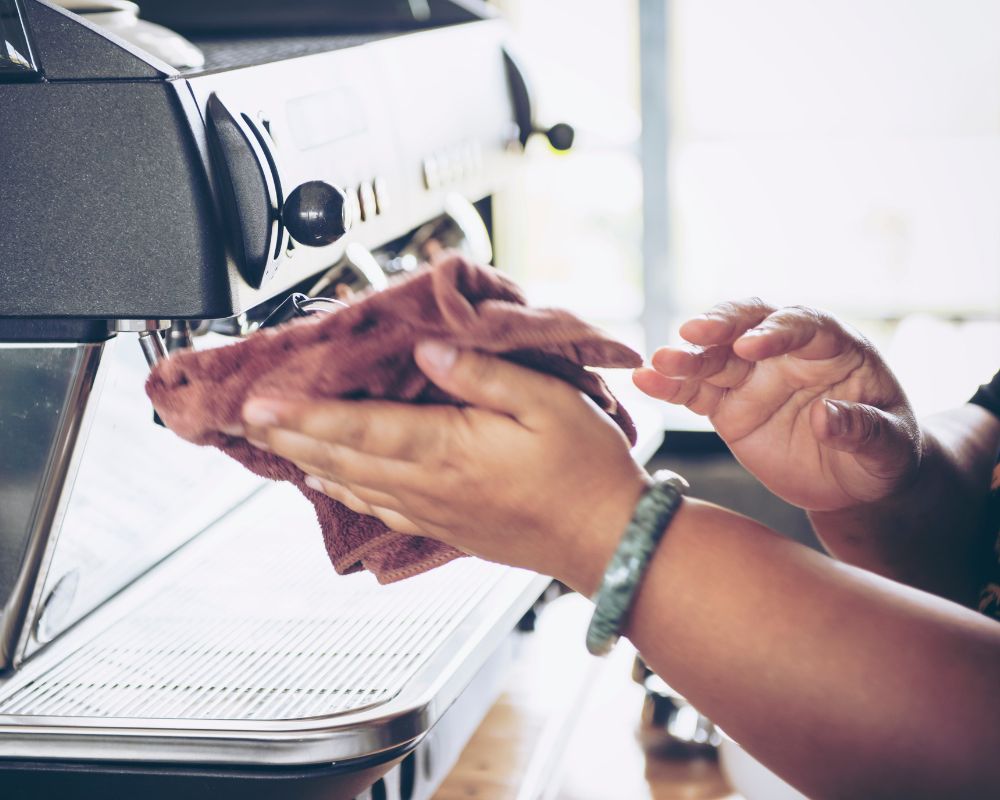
[{"x": 625, "y": 570}]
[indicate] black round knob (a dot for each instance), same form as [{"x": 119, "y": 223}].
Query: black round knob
[
  {"x": 316, "y": 214},
  {"x": 560, "y": 136}
]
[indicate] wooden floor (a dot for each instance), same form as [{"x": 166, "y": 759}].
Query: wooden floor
[{"x": 567, "y": 728}]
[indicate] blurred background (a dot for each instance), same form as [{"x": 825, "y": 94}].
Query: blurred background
[{"x": 839, "y": 153}]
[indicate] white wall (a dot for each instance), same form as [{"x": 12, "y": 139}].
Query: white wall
[{"x": 839, "y": 152}]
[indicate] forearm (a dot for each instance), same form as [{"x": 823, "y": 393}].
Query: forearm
[
  {"x": 930, "y": 534},
  {"x": 847, "y": 684}
]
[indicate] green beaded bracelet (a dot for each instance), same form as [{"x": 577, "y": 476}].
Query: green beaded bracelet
[{"x": 625, "y": 570}]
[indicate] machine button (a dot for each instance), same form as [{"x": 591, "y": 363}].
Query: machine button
[
  {"x": 353, "y": 205},
  {"x": 432, "y": 177},
  {"x": 468, "y": 163},
  {"x": 316, "y": 214},
  {"x": 444, "y": 168},
  {"x": 381, "y": 194},
  {"x": 366, "y": 197},
  {"x": 456, "y": 169},
  {"x": 475, "y": 155}
]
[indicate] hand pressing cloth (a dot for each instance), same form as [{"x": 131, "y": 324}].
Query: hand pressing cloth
[{"x": 366, "y": 351}]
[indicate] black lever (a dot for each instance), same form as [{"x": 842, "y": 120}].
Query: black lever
[{"x": 560, "y": 135}]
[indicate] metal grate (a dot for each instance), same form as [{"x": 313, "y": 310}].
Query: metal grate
[{"x": 263, "y": 629}]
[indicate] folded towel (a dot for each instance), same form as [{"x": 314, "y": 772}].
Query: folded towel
[{"x": 366, "y": 351}]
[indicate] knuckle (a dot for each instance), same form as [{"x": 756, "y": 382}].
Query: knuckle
[
  {"x": 357, "y": 491},
  {"x": 337, "y": 492},
  {"x": 804, "y": 315},
  {"x": 871, "y": 425},
  {"x": 480, "y": 369},
  {"x": 312, "y": 420},
  {"x": 356, "y": 432},
  {"x": 710, "y": 361},
  {"x": 727, "y": 309},
  {"x": 855, "y": 336},
  {"x": 329, "y": 460},
  {"x": 421, "y": 506},
  {"x": 749, "y": 309},
  {"x": 434, "y": 448}
]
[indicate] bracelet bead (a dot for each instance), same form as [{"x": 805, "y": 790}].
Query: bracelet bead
[{"x": 625, "y": 570}]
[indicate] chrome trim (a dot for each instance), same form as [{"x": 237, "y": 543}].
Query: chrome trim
[
  {"x": 471, "y": 224},
  {"x": 139, "y": 325},
  {"x": 153, "y": 349},
  {"x": 50, "y": 487}
]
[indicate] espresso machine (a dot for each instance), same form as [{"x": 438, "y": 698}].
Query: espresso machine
[{"x": 169, "y": 622}]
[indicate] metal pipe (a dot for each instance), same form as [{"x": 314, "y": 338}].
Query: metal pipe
[{"x": 152, "y": 347}]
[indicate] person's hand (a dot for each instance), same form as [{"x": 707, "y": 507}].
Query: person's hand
[
  {"x": 531, "y": 473},
  {"x": 806, "y": 404}
]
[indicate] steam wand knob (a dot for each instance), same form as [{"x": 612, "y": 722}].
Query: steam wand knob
[{"x": 316, "y": 214}]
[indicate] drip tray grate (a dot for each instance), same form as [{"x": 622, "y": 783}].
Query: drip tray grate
[{"x": 261, "y": 629}]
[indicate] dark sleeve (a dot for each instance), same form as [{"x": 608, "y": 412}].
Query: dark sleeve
[{"x": 988, "y": 396}]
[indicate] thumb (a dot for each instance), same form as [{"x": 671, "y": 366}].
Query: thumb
[
  {"x": 486, "y": 381},
  {"x": 885, "y": 445}
]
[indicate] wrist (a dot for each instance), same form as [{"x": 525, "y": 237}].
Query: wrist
[
  {"x": 598, "y": 535},
  {"x": 627, "y": 568}
]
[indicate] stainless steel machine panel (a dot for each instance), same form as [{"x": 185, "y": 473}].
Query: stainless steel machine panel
[
  {"x": 246, "y": 647},
  {"x": 140, "y": 493},
  {"x": 388, "y": 122},
  {"x": 38, "y": 383}
]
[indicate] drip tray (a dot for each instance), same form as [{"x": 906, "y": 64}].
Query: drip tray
[{"x": 247, "y": 648}]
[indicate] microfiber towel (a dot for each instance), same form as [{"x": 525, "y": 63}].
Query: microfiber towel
[{"x": 366, "y": 351}]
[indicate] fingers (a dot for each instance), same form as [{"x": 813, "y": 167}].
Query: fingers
[
  {"x": 757, "y": 330},
  {"x": 337, "y": 462},
  {"x": 699, "y": 396},
  {"x": 797, "y": 330},
  {"x": 726, "y": 322},
  {"x": 886, "y": 445},
  {"x": 373, "y": 497},
  {"x": 490, "y": 382},
  {"x": 390, "y": 517},
  {"x": 718, "y": 365},
  {"x": 389, "y": 430}
]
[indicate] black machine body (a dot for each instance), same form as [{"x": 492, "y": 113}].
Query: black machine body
[{"x": 133, "y": 190}]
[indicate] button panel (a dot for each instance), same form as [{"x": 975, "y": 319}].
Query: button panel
[
  {"x": 381, "y": 194},
  {"x": 354, "y": 204},
  {"x": 453, "y": 164},
  {"x": 367, "y": 199}
]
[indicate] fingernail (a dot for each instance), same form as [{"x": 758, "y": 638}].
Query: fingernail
[
  {"x": 261, "y": 413},
  {"x": 755, "y": 332},
  {"x": 438, "y": 355},
  {"x": 836, "y": 421},
  {"x": 314, "y": 483},
  {"x": 260, "y": 445}
]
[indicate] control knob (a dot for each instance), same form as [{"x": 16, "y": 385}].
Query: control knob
[
  {"x": 316, "y": 214},
  {"x": 560, "y": 136}
]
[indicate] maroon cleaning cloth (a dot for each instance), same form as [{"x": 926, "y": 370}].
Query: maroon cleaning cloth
[{"x": 366, "y": 351}]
